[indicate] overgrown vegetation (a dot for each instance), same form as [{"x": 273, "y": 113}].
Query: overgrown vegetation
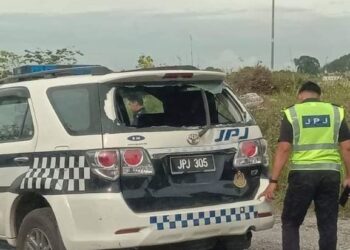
[{"x": 278, "y": 90}]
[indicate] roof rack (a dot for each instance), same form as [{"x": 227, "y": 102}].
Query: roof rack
[
  {"x": 58, "y": 72},
  {"x": 176, "y": 67}
]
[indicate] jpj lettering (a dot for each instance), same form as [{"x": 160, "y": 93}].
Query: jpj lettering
[
  {"x": 316, "y": 120},
  {"x": 226, "y": 134}
]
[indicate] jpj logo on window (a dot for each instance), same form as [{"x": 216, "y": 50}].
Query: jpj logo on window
[{"x": 316, "y": 121}]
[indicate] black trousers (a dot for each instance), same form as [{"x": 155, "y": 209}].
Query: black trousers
[{"x": 322, "y": 187}]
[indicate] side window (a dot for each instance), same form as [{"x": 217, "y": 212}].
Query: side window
[
  {"x": 227, "y": 111},
  {"x": 77, "y": 108},
  {"x": 15, "y": 119}
]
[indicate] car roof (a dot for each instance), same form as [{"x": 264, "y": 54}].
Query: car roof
[{"x": 137, "y": 76}]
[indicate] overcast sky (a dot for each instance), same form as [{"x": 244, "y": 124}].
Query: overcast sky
[{"x": 225, "y": 33}]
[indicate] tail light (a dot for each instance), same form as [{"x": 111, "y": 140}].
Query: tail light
[
  {"x": 105, "y": 163},
  {"x": 252, "y": 152},
  {"x": 136, "y": 162},
  {"x": 107, "y": 159},
  {"x": 110, "y": 164},
  {"x": 133, "y": 157}
]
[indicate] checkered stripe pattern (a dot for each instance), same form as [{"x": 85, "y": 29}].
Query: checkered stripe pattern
[
  {"x": 59, "y": 173},
  {"x": 196, "y": 219}
]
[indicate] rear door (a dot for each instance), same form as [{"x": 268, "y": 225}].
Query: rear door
[
  {"x": 188, "y": 170},
  {"x": 17, "y": 141}
]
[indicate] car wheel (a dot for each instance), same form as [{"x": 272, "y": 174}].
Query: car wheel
[{"x": 39, "y": 231}]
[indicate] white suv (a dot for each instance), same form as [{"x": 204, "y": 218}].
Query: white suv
[{"x": 80, "y": 168}]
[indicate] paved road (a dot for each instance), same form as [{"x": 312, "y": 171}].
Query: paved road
[
  {"x": 4, "y": 246},
  {"x": 271, "y": 239}
]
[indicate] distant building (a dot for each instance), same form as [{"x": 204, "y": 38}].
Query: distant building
[{"x": 330, "y": 78}]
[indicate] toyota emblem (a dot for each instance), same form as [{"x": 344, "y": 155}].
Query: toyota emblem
[{"x": 193, "y": 139}]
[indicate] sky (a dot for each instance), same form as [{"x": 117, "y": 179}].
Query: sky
[{"x": 225, "y": 33}]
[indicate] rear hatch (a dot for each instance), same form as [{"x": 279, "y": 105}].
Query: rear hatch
[{"x": 182, "y": 138}]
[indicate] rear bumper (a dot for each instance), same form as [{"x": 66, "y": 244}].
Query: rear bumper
[{"x": 91, "y": 221}]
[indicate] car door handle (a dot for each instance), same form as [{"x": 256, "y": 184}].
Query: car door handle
[{"x": 21, "y": 160}]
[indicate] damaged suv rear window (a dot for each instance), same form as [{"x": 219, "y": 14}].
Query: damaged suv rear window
[{"x": 170, "y": 105}]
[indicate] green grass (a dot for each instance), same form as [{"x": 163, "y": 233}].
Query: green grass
[{"x": 269, "y": 117}]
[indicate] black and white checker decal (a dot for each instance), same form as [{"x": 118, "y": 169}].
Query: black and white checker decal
[
  {"x": 187, "y": 220},
  {"x": 59, "y": 173}
]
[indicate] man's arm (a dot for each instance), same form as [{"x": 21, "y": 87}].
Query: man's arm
[
  {"x": 345, "y": 153},
  {"x": 281, "y": 158},
  {"x": 344, "y": 143},
  {"x": 282, "y": 153}
]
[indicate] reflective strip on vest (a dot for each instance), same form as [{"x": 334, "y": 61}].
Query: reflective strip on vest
[
  {"x": 296, "y": 129},
  {"x": 307, "y": 147},
  {"x": 316, "y": 166},
  {"x": 336, "y": 123}
]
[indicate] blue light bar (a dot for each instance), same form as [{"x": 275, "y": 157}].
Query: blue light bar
[{"x": 27, "y": 69}]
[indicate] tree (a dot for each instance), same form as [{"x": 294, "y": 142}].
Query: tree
[
  {"x": 60, "y": 56},
  {"x": 340, "y": 65},
  {"x": 307, "y": 64},
  {"x": 145, "y": 62},
  {"x": 8, "y": 61}
]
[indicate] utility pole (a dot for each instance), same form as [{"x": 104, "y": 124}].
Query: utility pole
[
  {"x": 273, "y": 36},
  {"x": 191, "y": 49}
]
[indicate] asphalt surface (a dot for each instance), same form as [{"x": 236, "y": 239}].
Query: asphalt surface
[
  {"x": 271, "y": 239},
  {"x": 4, "y": 246}
]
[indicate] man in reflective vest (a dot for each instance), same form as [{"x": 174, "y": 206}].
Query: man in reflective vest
[{"x": 317, "y": 135}]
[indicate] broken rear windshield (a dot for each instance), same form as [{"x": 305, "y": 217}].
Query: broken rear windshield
[{"x": 147, "y": 105}]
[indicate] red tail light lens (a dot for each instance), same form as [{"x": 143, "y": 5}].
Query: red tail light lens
[
  {"x": 133, "y": 157},
  {"x": 249, "y": 149},
  {"x": 107, "y": 159},
  {"x": 250, "y": 153},
  {"x": 111, "y": 164}
]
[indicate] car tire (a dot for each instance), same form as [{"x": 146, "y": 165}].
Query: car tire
[{"x": 39, "y": 228}]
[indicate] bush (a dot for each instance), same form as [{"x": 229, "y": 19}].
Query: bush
[
  {"x": 261, "y": 80},
  {"x": 287, "y": 81},
  {"x": 252, "y": 79}
]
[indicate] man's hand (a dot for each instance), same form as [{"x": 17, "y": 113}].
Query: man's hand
[
  {"x": 269, "y": 192},
  {"x": 346, "y": 182}
]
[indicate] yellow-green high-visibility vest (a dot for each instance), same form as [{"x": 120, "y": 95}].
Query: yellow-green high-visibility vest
[{"x": 315, "y": 135}]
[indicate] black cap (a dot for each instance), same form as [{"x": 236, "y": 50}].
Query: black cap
[{"x": 311, "y": 87}]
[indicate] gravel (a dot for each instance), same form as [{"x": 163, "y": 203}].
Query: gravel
[{"x": 271, "y": 239}]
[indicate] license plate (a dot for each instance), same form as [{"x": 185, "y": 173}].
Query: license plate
[{"x": 192, "y": 164}]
